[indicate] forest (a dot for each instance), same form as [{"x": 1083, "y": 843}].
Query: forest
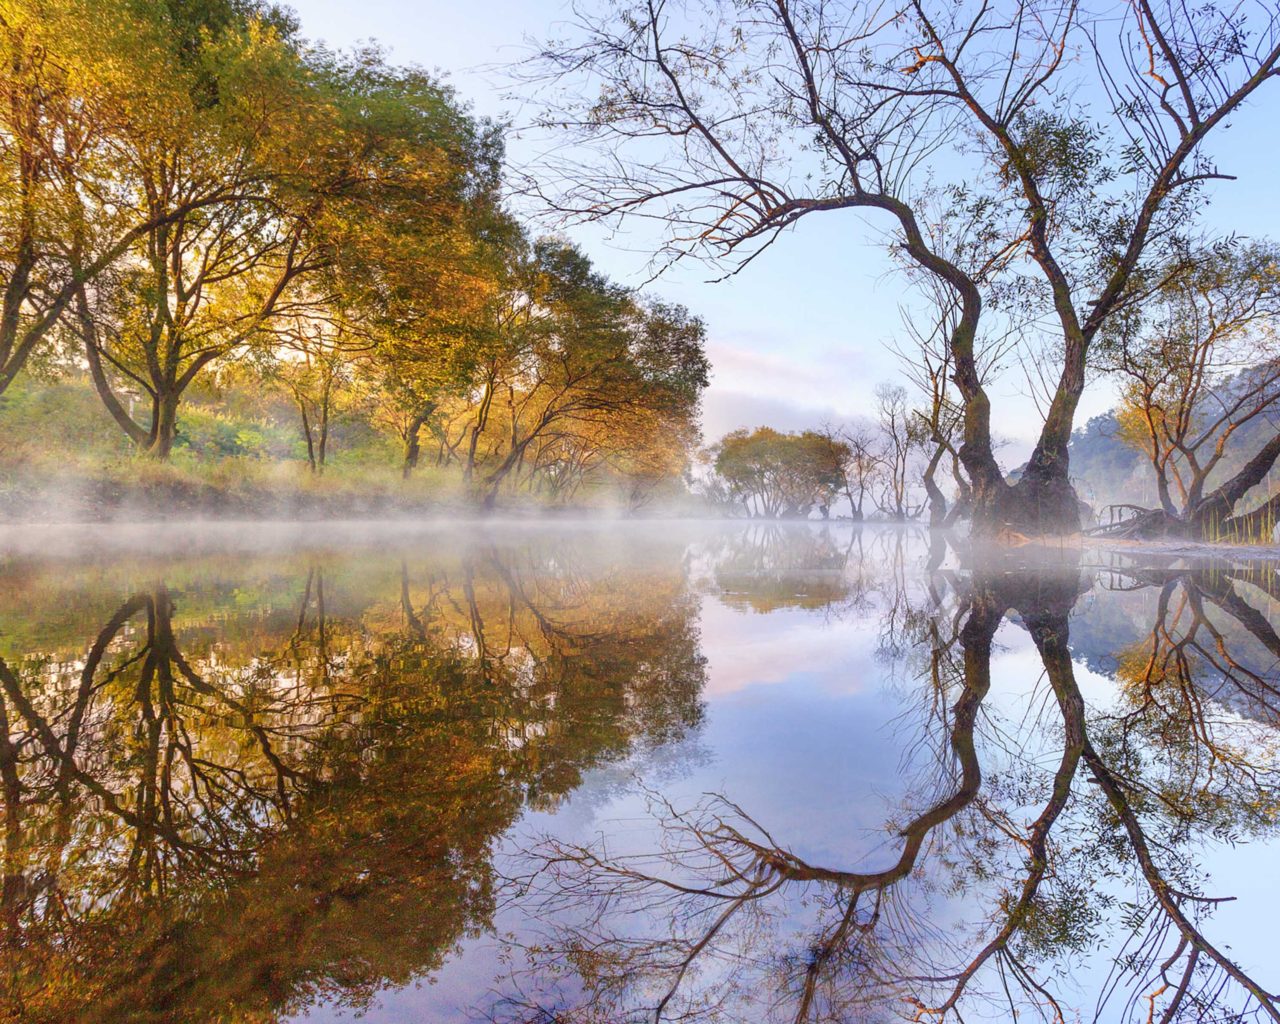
[{"x": 230, "y": 256}]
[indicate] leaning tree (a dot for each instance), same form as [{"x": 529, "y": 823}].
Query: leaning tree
[{"x": 1074, "y": 137}]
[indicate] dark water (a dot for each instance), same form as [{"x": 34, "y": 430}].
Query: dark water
[{"x": 645, "y": 772}]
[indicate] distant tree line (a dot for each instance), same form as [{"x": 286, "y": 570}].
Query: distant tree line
[{"x": 880, "y": 469}]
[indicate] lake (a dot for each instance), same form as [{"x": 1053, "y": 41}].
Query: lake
[{"x": 613, "y": 772}]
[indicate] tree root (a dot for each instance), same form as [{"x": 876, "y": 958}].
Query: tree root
[
  {"x": 1144, "y": 524},
  {"x": 1255, "y": 526}
]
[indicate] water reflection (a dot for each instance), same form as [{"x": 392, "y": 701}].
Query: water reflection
[
  {"x": 245, "y": 796},
  {"x": 1028, "y": 848},
  {"x": 235, "y": 789}
]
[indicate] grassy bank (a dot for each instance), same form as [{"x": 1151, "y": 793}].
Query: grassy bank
[
  {"x": 133, "y": 489},
  {"x": 63, "y": 459}
]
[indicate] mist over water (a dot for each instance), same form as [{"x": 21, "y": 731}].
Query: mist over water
[{"x": 595, "y": 771}]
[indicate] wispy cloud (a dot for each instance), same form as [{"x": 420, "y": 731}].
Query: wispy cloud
[{"x": 723, "y": 411}]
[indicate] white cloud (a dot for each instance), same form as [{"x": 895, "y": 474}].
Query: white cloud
[{"x": 745, "y": 649}]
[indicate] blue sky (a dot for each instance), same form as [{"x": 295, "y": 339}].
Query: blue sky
[{"x": 800, "y": 336}]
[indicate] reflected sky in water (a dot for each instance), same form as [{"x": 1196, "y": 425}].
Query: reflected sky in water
[{"x": 590, "y": 772}]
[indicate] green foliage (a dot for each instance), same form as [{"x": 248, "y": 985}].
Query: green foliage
[
  {"x": 775, "y": 474},
  {"x": 262, "y": 250}
]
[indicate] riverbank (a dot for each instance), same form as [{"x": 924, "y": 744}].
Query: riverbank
[
  {"x": 135, "y": 489},
  {"x": 63, "y": 460},
  {"x": 1163, "y": 549}
]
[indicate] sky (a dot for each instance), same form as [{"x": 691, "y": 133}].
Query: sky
[{"x": 800, "y": 337}]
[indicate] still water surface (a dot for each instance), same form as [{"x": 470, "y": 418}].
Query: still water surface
[{"x": 642, "y": 772}]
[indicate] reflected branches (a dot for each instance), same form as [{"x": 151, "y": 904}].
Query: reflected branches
[
  {"x": 1036, "y": 866},
  {"x": 243, "y": 790},
  {"x": 236, "y": 800}
]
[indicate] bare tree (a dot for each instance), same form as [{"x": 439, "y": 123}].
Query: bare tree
[
  {"x": 862, "y": 463},
  {"x": 903, "y": 437},
  {"x": 729, "y": 123}
]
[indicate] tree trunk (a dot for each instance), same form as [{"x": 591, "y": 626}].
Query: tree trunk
[
  {"x": 1042, "y": 503},
  {"x": 1216, "y": 509},
  {"x": 1033, "y": 507},
  {"x": 139, "y": 435},
  {"x": 482, "y": 421},
  {"x": 164, "y": 425},
  {"x": 469, "y": 467},
  {"x": 412, "y": 440},
  {"x": 322, "y": 450},
  {"x": 493, "y": 482},
  {"x": 937, "y": 500},
  {"x": 306, "y": 433}
]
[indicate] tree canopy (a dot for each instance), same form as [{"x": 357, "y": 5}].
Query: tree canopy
[{"x": 195, "y": 197}]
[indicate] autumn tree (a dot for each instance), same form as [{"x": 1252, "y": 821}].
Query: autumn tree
[
  {"x": 1200, "y": 378},
  {"x": 279, "y": 228},
  {"x": 226, "y": 244},
  {"x": 775, "y": 474},
  {"x": 76, "y": 80},
  {"x": 420, "y": 238},
  {"x": 573, "y": 373}
]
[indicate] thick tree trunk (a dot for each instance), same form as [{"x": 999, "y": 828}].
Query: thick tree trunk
[
  {"x": 1214, "y": 518},
  {"x": 1163, "y": 493},
  {"x": 164, "y": 426},
  {"x": 855, "y": 513},
  {"x": 412, "y": 439},
  {"x": 469, "y": 467},
  {"x": 1042, "y": 503},
  {"x": 963, "y": 504},
  {"x": 1036, "y": 506},
  {"x": 1216, "y": 510}
]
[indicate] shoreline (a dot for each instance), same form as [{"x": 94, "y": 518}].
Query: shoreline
[{"x": 138, "y": 529}]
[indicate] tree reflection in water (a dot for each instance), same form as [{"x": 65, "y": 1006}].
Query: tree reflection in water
[
  {"x": 250, "y": 788},
  {"x": 239, "y": 802},
  {"x": 1037, "y": 849}
]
